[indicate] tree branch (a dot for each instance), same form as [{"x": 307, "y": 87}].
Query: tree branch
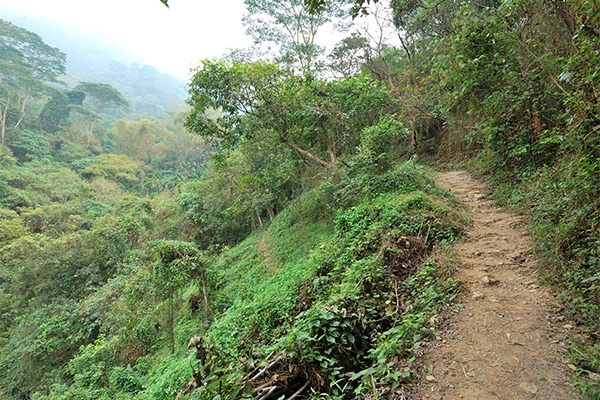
[{"x": 305, "y": 153}]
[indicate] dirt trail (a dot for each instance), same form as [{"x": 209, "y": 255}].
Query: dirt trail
[{"x": 500, "y": 344}]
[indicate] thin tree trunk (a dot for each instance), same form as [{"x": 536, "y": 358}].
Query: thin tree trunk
[
  {"x": 24, "y": 104},
  {"x": 92, "y": 124},
  {"x": 3, "y": 117},
  {"x": 20, "y": 120},
  {"x": 170, "y": 325},
  {"x": 3, "y": 122},
  {"x": 259, "y": 219},
  {"x": 205, "y": 295}
]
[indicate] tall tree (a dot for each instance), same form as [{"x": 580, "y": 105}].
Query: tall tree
[
  {"x": 27, "y": 64},
  {"x": 348, "y": 56},
  {"x": 290, "y": 28},
  {"x": 101, "y": 96},
  {"x": 139, "y": 139},
  {"x": 16, "y": 84}
]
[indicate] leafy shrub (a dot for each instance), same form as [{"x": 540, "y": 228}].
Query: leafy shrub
[
  {"x": 124, "y": 380},
  {"x": 28, "y": 145},
  {"x": 91, "y": 367},
  {"x": 423, "y": 294},
  {"x": 383, "y": 144},
  {"x": 166, "y": 379}
]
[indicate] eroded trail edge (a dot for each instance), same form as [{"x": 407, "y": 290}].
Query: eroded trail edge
[{"x": 499, "y": 342}]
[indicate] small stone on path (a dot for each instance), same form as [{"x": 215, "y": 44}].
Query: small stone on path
[
  {"x": 528, "y": 387},
  {"x": 477, "y": 295}
]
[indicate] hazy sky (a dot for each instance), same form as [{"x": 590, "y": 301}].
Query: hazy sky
[{"x": 173, "y": 39}]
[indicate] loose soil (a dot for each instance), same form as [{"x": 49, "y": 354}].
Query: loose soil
[{"x": 504, "y": 339}]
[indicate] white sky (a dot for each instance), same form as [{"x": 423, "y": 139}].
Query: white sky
[{"x": 173, "y": 39}]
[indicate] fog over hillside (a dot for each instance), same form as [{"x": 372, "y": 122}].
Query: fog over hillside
[{"x": 92, "y": 57}]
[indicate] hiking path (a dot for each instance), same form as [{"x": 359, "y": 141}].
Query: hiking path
[{"x": 504, "y": 338}]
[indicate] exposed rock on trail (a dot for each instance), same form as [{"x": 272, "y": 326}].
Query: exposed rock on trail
[{"x": 500, "y": 344}]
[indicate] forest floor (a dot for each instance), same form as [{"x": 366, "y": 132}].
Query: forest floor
[{"x": 504, "y": 338}]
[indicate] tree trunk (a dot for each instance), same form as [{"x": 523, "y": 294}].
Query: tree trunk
[
  {"x": 205, "y": 295},
  {"x": 3, "y": 122},
  {"x": 170, "y": 325},
  {"x": 259, "y": 218},
  {"x": 3, "y": 117},
  {"x": 92, "y": 124}
]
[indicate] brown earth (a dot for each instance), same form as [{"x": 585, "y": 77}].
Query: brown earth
[{"x": 504, "y": 339}]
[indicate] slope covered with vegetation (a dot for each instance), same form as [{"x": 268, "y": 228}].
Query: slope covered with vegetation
[{"x": 307, "y": 255}]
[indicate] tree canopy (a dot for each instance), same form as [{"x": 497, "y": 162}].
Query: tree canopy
[
  {"x": 27, "y": 65},
  {"x": 289, "y": 27},
  {"x": 319, "y": 120}
]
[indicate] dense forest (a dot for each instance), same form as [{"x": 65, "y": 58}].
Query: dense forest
[{"x": 282, "y": 236}]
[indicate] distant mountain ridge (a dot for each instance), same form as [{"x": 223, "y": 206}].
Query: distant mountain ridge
[{"x": 92, "y": 57}]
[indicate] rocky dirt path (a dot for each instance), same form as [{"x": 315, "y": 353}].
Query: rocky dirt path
[{"x": 498, "y": 343}]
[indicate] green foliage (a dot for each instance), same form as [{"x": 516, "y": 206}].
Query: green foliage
[
  {"x": 11, "y": 227},
  {"x": 348, "y": 56},
  {"x": 330, "y": 308},
  {"x": 168, "y": 378},
  {"x": 55, "y": 219},
  {"x": 320, "y": 120},
  {"x": 424, "y": 295},
  {"x": 44, "y": 182},
  {"x": 241, "y": 191},
  {"x": 176, "y": 262},
  {"x": 27, "y": 65},
  {"x": 358, "y": 184},
  {"x": 28, "y": 145},
  {"x": 55, "y": 112},
  {"x": 48, "y": 335},
  {"x": 382, "y": 144},
  {"x": 102, "y": 95},
  {"x": 351, "y": 333},
  {"x": 24, "y": 47},
  {"x": 209, "y": 204},
  {"x": 118, "y": 168},
  {"x": 76, "y": 299},
  {"x": 91, "y": 365},
  {"x": 124, "y": 380}
]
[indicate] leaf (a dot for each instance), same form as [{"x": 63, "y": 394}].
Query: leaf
[{"x": 350, "y": 337}]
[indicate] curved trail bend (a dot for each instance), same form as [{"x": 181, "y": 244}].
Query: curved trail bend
[{"x": 501, "y": 343}]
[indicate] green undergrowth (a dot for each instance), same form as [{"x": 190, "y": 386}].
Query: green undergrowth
[
  {"x": 342, "y": 296},
  {"x": 335, "y": 294}
]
